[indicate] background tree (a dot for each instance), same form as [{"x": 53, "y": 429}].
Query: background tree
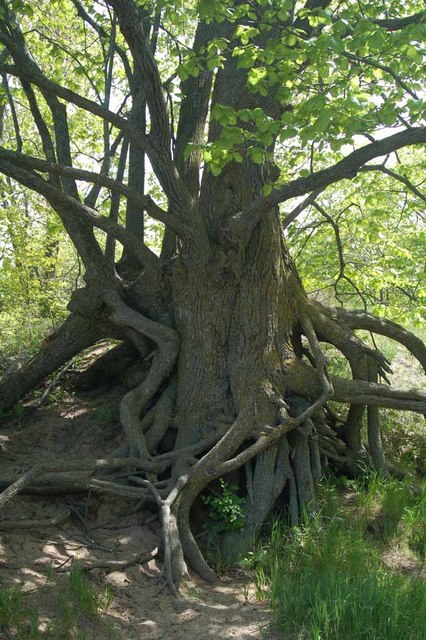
[{"x": 206, "y": 117}]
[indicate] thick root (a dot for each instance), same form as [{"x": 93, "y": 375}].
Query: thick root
[{"x": 75, "y": 335}]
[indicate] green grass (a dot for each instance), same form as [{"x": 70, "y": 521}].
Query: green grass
[
  {"x": 326, "y": 579},
  {"x": 396, "y": 512},
  {"x": 17, "y": 620},
  {"x": 79, "y": 603}
]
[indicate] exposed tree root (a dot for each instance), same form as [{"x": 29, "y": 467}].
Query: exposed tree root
[
  {"x": 164, "y": 360},
  {"x": 282, "y": 443},
  {"x": 65, "y": 467},
  {"x": 303, "y": 380},
  {"x": 76, "y": 334}
]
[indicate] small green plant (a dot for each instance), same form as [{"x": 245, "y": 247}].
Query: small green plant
[
  {"x": 226, "y": 510},
  {"x": 80, "y": 601},
  {"x": 105, "y": 599},
  {"x": 84, "y": 592},
  {"x": 16, "y": 620}
]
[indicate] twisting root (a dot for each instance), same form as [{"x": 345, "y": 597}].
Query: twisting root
[
  {"x": 164, "y": 359},
  {"x": 174, "y": 566},
  {"x": 337, "y": 327}
]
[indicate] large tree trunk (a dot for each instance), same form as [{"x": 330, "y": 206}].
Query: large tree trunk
[{"x": 235, "y": 318}]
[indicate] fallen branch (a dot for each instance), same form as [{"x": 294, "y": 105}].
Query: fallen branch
[
  {"x": 36, "y": 404},
  {"x": 91, "y": 465},
  {"x": 112, "y": 565}
]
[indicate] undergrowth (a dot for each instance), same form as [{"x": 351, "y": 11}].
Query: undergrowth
[
  {"x": 327, "y": 580},
  {"x": 78, "y": 601}
]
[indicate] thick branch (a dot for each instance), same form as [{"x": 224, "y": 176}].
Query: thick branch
[
  {"x": 303, "y": 379},
  {"x": 346, "y": 168},
  {"x": 193, "y": 113},
  {"x": 396, "y": 24},
  {"x": 385, "y": 327},
  {"x": 133, "y": 31}
]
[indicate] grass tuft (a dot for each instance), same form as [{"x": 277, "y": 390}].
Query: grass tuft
[{"x": 16, "y": 620}]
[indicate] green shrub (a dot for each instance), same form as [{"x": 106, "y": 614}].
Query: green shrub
[{"x": 226, "y": 510}]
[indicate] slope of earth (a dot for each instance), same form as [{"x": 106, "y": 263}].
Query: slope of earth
[{"x": 41, "y": 598}]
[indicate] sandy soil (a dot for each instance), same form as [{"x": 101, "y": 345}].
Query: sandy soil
[{"x": 139, "y": 605}]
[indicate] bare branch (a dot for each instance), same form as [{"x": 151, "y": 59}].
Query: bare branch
[
  {"x": 82, "y": 13},
  {"x": 290, "y": 217},
  {"x": 385, "y": 327},
  {"x": 144, "y": 202},
  {"x": 33, "y": 76},
  {"x": 410, "y": 186},
  {"x": 378, "y": 65},
  {"x": 13, "y": 112}
]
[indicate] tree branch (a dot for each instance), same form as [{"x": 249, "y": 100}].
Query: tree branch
[
  {"x": 33, "y": 76},
  {"x": 291, "y": 217},
  {"x": 82, "y": 13},
  {"x": 396, "y": 24},
  {"x": 385, "y": 327},
  {"x": 59, "y": 199},
  {"x": 385, "y": 68},
  {"x": 396, "y": 176},
  {"x": 132, "y": 28},
  {"x": 144, "y": 202},
  {"x": 346, "y": 168}
]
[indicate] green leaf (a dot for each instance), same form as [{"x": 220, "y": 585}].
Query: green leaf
[{"x": 256, "y": 155}]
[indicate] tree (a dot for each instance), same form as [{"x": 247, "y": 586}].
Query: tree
[{"x": 233, "y": 108}]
